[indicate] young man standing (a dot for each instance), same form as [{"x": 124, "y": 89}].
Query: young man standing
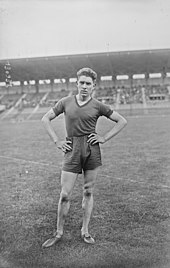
[{"x": 81, "y": 147}]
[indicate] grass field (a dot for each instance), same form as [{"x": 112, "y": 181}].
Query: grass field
[{"x": 131, "y": 211}]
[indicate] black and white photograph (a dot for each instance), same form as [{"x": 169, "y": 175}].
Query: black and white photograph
[{"x": 84, "y": 134}]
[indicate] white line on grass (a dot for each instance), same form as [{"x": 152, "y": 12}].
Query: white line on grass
[
  {"x": 149, "y": 115},
  {"x": 128, "y": 116},
  {"x": 27, "y": 161},
  {"x": 101, "y": 174},
  {"x": 136, "y": 181}
]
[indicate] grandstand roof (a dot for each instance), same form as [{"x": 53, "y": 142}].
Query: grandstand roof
[{"x": 107, "y": 63}]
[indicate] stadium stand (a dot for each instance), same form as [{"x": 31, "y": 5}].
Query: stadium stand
[
  {"x": 32, "y": 99},
  {"x": 52, "y": 97},
  {"x": 25, "y": 98},
  {"x": 106, "y": 94},
  {"x": 9, "y": 100}
]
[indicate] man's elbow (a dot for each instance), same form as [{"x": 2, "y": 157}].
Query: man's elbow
[
  {"x": 123, "y": 122},
  {"x": 44, "y": 119}
]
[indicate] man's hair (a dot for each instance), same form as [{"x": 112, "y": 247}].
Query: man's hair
[{"x": 87, "y": 72}]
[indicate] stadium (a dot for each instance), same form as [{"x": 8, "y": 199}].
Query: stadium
[
  {"x": 43, "y": 43},
  {"x": 130, "y": 81},
  {"x": 130, "y": 218}
]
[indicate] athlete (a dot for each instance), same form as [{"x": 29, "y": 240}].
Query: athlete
[{"x": 81, "y": 147}]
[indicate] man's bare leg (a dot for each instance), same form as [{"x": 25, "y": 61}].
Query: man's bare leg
[
  {"x": 87, "y": 202},
  {"x": 67, "y": 184}
]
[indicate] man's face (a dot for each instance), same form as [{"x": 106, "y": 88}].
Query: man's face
[{"x": 85, "y": 86}]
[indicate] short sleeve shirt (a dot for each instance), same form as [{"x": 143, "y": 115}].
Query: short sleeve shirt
[{"x": 81, "y": 120}]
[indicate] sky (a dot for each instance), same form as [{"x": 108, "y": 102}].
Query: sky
[{"x": 38, "y": 28}]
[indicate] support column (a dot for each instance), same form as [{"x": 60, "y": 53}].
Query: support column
[
  {"x": 52, "y": 85},
  {"x": 37, "y": 86},
  {"x": 22, "y": 87},
  {"x": 163, "y": 77},
  {"x": 114, "y": 80},
  {"x": 146, "y": 83},
  {"x": 143, "y": 97},
  {"x": 146, "y": 79},
  {"x": 131, "y": 88},
  {"x": 94, "y": 94},
  {"x": 67, "y": 84},
  {"x": 98, "y": 82},
  {"x": 118, "y": 98}
]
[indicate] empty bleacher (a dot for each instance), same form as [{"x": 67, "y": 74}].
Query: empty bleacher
[
  {"x": 32, "y": 99},
  {"x": 32, "y": 105},
  {"x": 53, "y": 97},
  {"x": 9, "y": 100}
]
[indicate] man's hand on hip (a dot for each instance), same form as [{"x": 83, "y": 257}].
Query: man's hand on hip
[
  {"x": 95, "y": 138},
  {"x": 64, "y": 145}
]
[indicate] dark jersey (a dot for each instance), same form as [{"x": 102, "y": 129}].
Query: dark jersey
[{"x": 81, "y": 120}]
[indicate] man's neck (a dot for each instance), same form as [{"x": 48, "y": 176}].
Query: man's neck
[{"x": 80, "y": 99}]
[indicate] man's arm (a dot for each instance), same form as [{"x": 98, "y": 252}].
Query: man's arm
[
  {"x": 46, "y": 120},
  {"x": 120, "y": 124}
]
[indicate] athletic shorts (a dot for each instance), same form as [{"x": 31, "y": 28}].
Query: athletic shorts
[{"x": 84, "y": 156}]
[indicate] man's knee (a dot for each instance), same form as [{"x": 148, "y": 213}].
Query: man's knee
[
  {"x": 88, "y": 191},
  {"x": 87, "y": 196},
  {"x": 64, "y": 197}
]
